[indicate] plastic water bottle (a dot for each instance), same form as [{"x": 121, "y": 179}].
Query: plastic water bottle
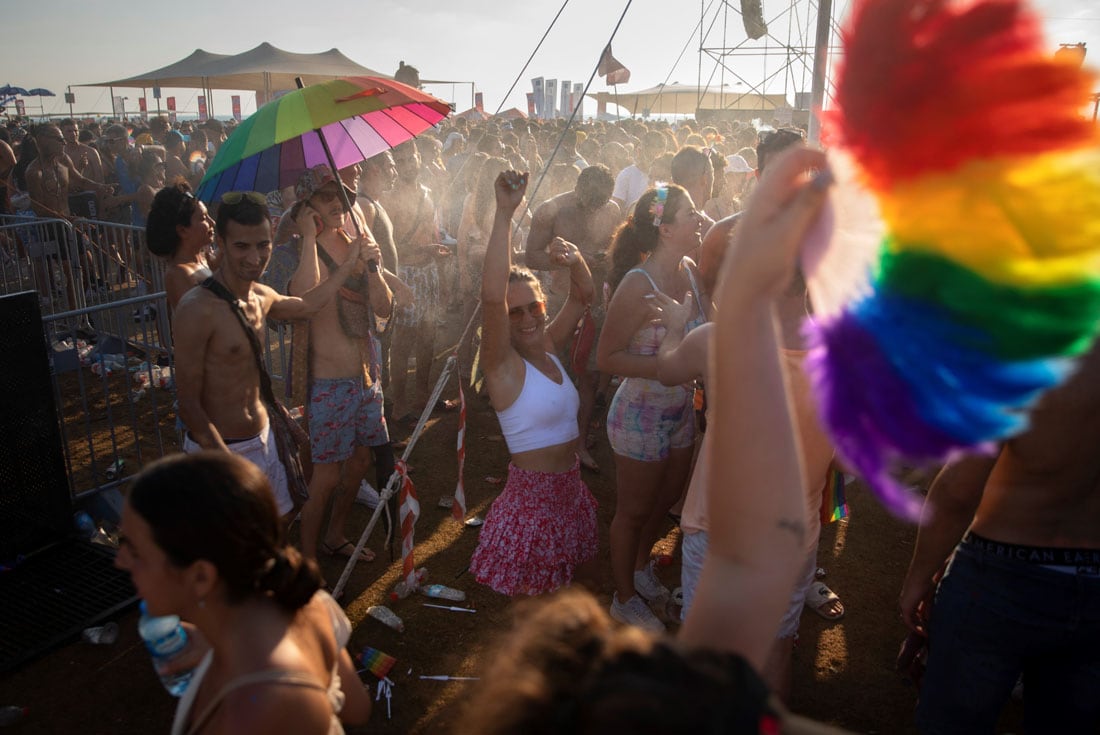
[
  {"x": 443, "y": 592},
  {"x": 386, "y": 616},
  {"x": 166, "y": 639}
]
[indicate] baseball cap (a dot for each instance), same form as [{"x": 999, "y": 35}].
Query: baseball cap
[
  {"x": 736, "y": 164},
  {"x": 313, "y": 179}
]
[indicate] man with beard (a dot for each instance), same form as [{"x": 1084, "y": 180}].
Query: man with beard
[{"x": 587, "y": 218}]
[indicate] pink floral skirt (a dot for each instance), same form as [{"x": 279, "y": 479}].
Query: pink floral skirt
[{"x": 536, "y": 532}]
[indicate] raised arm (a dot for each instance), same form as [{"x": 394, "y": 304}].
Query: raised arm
[
  {"x": 581, "y": 292},
  {"x": 308, "y": 273},
  {"x": 756, "y": 538},
  {"x": 496, "y": 346},
  {"x": 310, "y": 302}
]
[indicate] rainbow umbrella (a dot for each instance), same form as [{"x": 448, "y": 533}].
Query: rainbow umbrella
[{"x": 358, "y": 117}]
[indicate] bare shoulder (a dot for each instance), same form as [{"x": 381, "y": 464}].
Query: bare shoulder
[
  {"x": 196, "y": 302},
  {"x": 274, "y": 708}
]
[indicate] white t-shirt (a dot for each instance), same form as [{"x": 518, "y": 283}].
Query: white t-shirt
[{"x": 630, "y": 184}]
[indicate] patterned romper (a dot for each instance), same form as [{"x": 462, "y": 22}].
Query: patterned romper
[{"x": 647, "y": 419}]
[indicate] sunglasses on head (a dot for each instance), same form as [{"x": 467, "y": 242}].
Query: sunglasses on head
[
  {"x": 188, "y": 197},
  {"x": 236, "y": 197},
  {"x": 537, "y": 309}
]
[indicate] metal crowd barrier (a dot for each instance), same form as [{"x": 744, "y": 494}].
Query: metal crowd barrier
[{"x": 105, "y": 319}]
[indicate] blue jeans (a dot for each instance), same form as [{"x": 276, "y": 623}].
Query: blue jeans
[{"x": 995, "y": 618}]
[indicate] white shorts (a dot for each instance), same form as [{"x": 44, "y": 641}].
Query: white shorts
[
  {"x": 260, "y": 450},
  {"x": 694, "y": 551}
]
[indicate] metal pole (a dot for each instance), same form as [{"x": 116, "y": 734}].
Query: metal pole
[
  {"x": 821, "y": 62},
  {"x": 69, "y": 94}
]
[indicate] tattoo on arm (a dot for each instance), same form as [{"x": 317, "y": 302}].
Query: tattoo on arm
[{"x": 798, "y": 528}]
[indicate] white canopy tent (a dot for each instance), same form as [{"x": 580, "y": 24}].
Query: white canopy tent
[
  {"x": 685, "y": 99},
  {"x": 264, "y": 70}
]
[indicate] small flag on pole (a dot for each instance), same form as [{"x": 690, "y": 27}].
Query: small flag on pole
[
  {"x": 376, "y": 662},
  {"x": 612, "y": 68}
]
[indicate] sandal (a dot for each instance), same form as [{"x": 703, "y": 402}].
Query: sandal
[
  {"x": 819, "y": 597},
  {"x": 346, "y": 549}
]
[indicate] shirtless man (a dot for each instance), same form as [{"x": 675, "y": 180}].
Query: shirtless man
[
  {"x": 216, "y": 379},
  {"x": 49, "y": 178},
  {"x": 1022, "y": 592},
  {"x": 345, "y": 401},
  {"x": 84, "y": 157},
  {"x": 379, "y": 177},
  {"x": 412, "y": 212},
  {"x": 587, "y": 218}
]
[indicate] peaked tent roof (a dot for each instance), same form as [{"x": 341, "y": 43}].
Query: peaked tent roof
[
  {"x": 684, "y": 99},
  {"x": 261, "y": 69},
  {"x": 513, "y": 113},
  {"x": 472, "y": 114}
]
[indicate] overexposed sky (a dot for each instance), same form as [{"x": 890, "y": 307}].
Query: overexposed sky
[{"x": 56, "y": 43}]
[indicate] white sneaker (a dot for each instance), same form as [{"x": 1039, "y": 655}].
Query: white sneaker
[
  {"x": 637, "y": 613},
  {"x": 647, "y": 585}
]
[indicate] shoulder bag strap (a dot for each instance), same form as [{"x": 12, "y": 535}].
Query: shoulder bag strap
[{"x": 216, "y": 288}]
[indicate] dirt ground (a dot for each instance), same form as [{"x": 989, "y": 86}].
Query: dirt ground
[{"x": 843, "y": 672}]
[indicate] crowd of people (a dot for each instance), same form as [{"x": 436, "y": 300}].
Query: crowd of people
[{"x": 622, "y": 296}]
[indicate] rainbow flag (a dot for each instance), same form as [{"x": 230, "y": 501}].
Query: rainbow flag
[
  {"x": 376, "y": 662},
  {"x": 834, "y": 504},
  {"x": 970, "y": 134}
]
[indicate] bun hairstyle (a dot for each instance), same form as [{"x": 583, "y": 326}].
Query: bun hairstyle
[
  {"x": 565, "y": 669},
  {"x": 218, "y": 507},
  {"x": 637, "y": 237},
  {"x": 173, "y": 205}
]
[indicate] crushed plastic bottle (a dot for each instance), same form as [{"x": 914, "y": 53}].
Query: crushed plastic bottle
[
  {"x": 386, "y": 616},
  {"x": 443, "y": 592},
  {"x": 402, "y": 589},
  {"x": 11, "y": 714},
  {"x": 102, "y": 635},
  {"x": 92, "y": 531}
]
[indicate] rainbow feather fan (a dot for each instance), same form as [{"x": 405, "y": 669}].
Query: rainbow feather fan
[{"x": 970, "y": 136}]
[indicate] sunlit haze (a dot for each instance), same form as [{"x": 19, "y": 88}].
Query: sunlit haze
[{"x": 57, "y": 43}]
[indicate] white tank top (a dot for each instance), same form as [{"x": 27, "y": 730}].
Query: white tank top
[{"x": 544, "y": 414}]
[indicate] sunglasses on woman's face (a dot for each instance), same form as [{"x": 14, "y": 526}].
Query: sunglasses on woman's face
[{"x": 537, "y": 309}]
